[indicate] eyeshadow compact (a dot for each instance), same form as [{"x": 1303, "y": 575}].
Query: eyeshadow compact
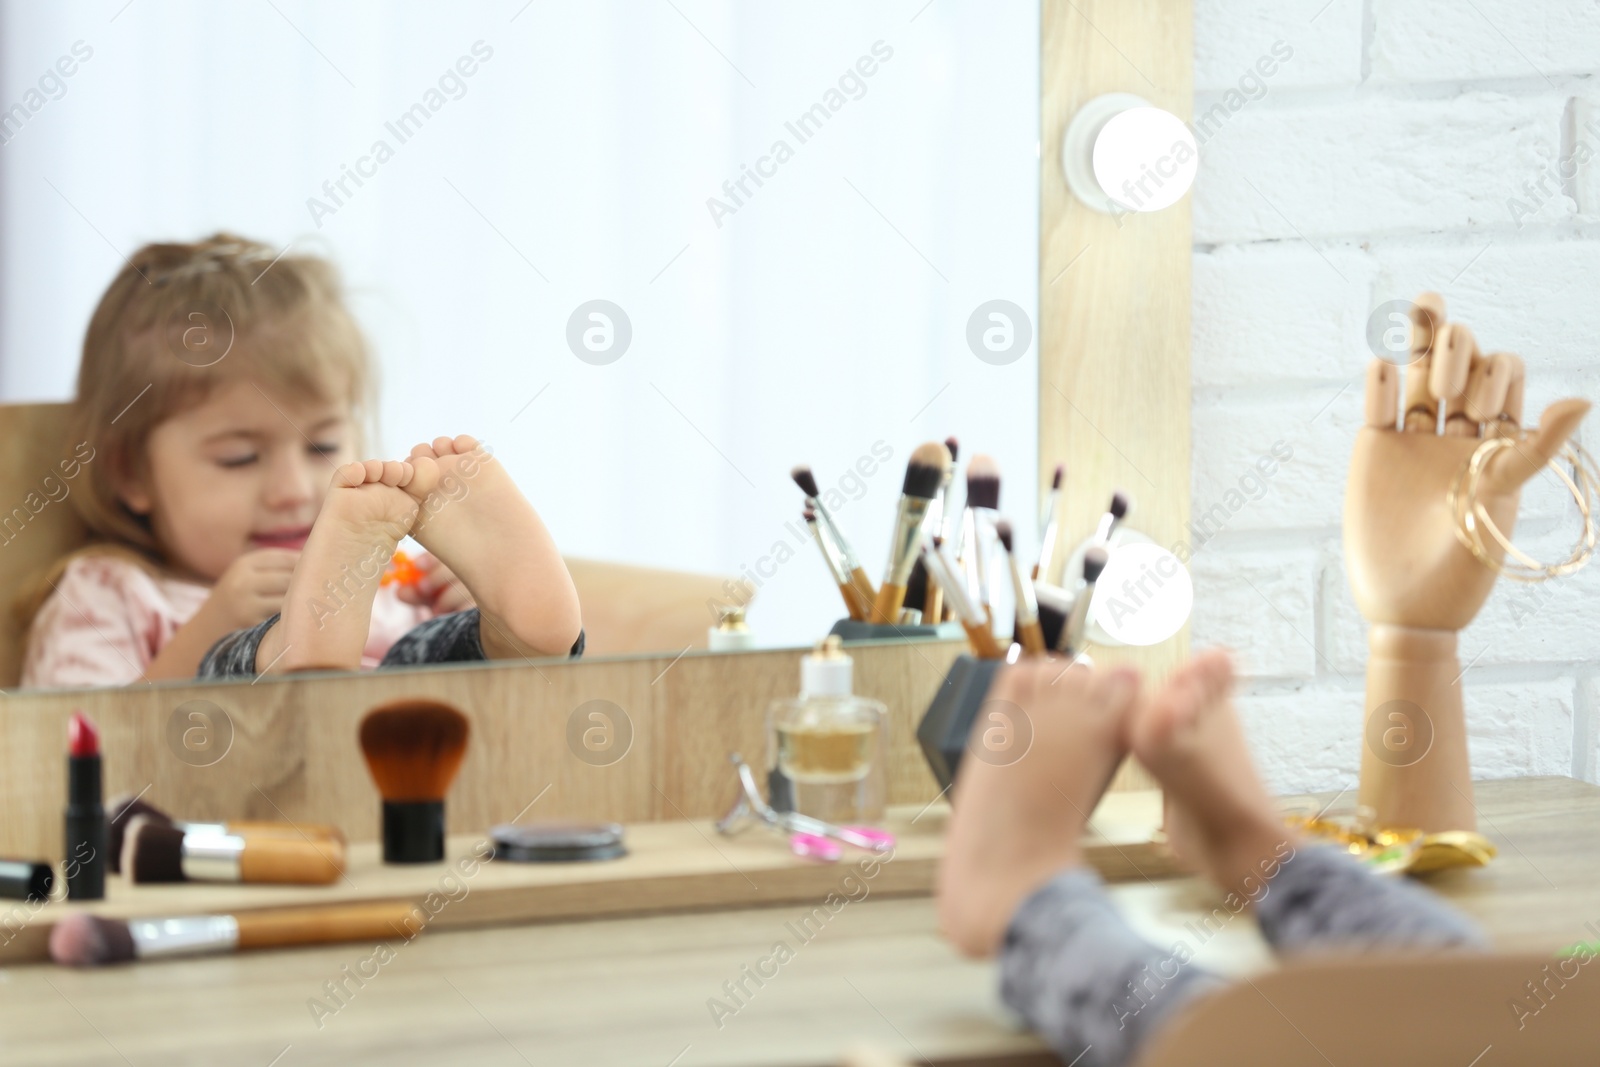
[{"x": 557, "y": 842}]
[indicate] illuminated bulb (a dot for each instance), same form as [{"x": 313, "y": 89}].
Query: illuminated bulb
[
  {"x": 1144, "y": 595},
  {"x": 1121, "y": 154}
]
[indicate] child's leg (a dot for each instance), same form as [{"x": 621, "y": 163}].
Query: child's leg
[
  {"x": 484, "y": 530},
  {"x": 1221, "y": 819},
  {"x": 1011, "y": 879},
  {"x": 327, "y": 611},
  {"x": 1323, "y": 898},
  {"x": 452, "y": 638}
]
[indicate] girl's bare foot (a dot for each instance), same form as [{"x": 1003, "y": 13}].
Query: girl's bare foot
[
  {"x": 1219, "y": 816},
  {"x": 328, "y": 609},
  {"x": 1016, "y": 822},
  {"x": 477, "y": 521}
]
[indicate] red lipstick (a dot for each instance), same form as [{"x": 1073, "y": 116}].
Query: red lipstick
[{"x": 85, "y": 864}]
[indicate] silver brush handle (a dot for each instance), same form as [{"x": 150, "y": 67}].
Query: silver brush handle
[
  {"x": 839, "y": 542},
  {"x": 907, "y": 533},
  {"x": 211, "y": 857},
  {"x": 183, "y": 936}
]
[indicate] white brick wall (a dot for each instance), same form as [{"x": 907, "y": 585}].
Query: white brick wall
[{"x": 1403, "y": 145}]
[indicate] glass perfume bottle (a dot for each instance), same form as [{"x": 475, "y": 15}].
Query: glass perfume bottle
[{"x": 827, "y": 746}]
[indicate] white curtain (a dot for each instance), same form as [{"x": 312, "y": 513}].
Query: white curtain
[{"x": 828, "y": 311}]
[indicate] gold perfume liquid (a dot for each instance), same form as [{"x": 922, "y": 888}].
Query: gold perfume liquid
[{"x": 823, "y": 753}]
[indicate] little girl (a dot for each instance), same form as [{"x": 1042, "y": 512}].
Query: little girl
[{"x": 224, "y": 392}]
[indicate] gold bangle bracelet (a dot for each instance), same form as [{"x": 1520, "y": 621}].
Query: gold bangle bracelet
[{"x": 1472, "y": 518}]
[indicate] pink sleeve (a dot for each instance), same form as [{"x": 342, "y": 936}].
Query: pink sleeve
[{"x": 102, "y": 625}]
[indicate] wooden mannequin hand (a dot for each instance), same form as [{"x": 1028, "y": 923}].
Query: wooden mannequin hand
[{"x": 1407, "y": 567}]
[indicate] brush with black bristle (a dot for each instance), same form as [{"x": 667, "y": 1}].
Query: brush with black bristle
[
  {"x": 84, "y": 940},
  {"x": 122, "y": 810},
  {"x": 1073, "y": 641},
  {"x": 807, "y": 482},
  {"x": 972, "y": 618},
  {"x": 414, "y": 749},
  {"x": 158, "y": 851},
  {"x": 983, "y": 502},
  {"x": 1055, "y": 608},
  {"x": 852, "y": 603},
  {"x": 1116, "y": 511},
  {"x": 1049, "y": 525},
  {"x": 913, "y": 611},
  {"x": 925, "y": 473},
  {"x": 1028, "y": 633}
]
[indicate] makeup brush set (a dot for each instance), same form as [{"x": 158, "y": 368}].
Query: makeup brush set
[{"x": 942, "y": 562}]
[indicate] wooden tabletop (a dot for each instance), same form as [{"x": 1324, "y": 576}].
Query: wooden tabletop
[{"x": 640, "y": 991}]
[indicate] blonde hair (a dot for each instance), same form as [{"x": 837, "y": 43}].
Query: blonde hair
[{"x": 179, "y": 320}]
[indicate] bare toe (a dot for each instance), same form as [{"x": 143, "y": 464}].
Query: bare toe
[
  {"x": 424, "y": 474},
  {"x": 395, "y": 472},
  {"x": 349, "y": 475},
  {"x": 444, "y": 446},
  {"x": 423, "y": 449}
]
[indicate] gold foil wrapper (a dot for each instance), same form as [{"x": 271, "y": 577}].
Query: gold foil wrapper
[{"x": 1396, "y": 850}]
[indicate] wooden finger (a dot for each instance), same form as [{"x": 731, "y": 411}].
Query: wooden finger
[
  {"x": 1427, "y": 321},
  {"x": 1451, "y": 365},
  {"x": 1509, "y": 422},
  {"x": 1421, "y": 416},
  {"x": 1510, "y": 467},
  {"x": 1427, "y": 316},
  {"x": 1486, "y": 388},
  {"x": 1383, "y": 395},
  {"x": 1450, "y": 376}
]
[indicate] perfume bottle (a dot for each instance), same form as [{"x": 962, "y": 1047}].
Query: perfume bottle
[{"x": 827, "y": 746}]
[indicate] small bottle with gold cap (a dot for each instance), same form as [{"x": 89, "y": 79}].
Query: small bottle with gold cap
[
  {"x": 731, "y": 633},
  {"x": 827, "y": 746}
]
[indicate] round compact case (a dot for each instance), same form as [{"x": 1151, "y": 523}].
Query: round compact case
[{"x": 557, "y": 842}]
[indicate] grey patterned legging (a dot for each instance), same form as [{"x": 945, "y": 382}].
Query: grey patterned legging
[
  {"x": 449, "y": 638},
  {"x": 1096, "y": 990}
]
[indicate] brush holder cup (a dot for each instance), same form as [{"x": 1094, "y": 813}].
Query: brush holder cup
[
  {"x": 851, "y": 631},
  {"x": 947, "y": 724}
]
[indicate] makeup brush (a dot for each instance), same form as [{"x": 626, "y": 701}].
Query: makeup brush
[
  {"x": 1055, "y": 607},
  {"x": 951, "y": 533},
  {"x": 123, "y": 809},
  {"x": 157, "y": 851},
  {"x": 852, "y": 604},
  {"x": 914, "y": 609},
  {"x": 82, "y": 940},
  {"x": 939, "y": 513},
  {"x": 1048, "y": 524},
  {"x": 852, "y": 566},
  {"x": 1116, "y": 511},
  {"x": 924, "y": 474},
  {"x": 983, "y": 499},
  {"x": 413, "y": 749},
  {"x": 933, "y": 607},
  {"x": 1072, "y": 639},
  {"x": 1028, "y": 632},
  {"x": 973, "y": 620}
]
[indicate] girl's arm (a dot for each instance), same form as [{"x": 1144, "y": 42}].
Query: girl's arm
[
  {"x": 250, "y": 590},
  {"x": 181, "y": 656}
]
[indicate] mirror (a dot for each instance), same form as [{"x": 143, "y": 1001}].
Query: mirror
[{"x": 653, "y": 255}]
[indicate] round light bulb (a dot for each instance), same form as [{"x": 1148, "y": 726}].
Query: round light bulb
[
  {"x": 1145, "y": 159},
  {"x": 1122, "y": 154},
  {"x": 1144, "y": 595}
]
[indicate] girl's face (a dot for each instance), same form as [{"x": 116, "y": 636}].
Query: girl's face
[{"x": 240, "y": 471}]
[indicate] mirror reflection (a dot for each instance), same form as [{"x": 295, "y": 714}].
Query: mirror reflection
[{"x": 496, "y": 334}]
